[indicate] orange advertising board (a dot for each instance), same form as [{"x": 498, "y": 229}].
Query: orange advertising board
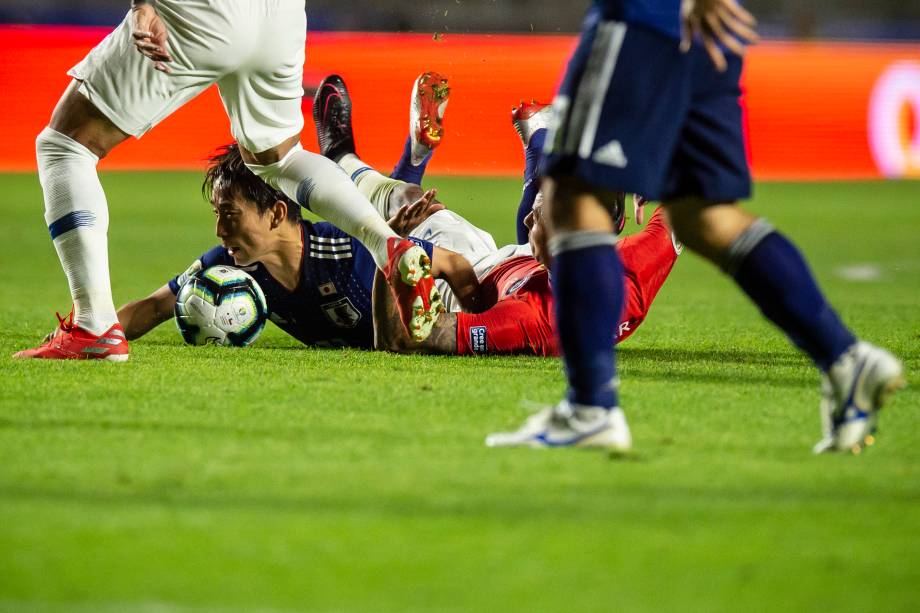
[{"x": 813, "y": 110}]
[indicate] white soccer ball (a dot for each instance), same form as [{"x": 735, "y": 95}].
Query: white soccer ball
[{"x": 220, "y": 305}]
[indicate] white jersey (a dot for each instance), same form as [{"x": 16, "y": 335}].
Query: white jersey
[
  {"x": 252, "y": 49},
  {"x": 450, "y": 231}
]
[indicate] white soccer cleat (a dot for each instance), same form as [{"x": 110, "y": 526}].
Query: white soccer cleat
[
  {"x": 852, "y": 393},
  {"x": 569, "y": 425}
]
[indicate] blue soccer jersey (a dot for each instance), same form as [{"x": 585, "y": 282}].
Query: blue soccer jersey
[{"x": 331, "y": 305}]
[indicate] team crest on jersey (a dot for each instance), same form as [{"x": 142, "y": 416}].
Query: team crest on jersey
[
  {"x": 342, "y": 313},
  {"x": 516, "y": 285},
  {"x": 478, "y": 339}
]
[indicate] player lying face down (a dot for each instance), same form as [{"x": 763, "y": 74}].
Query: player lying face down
[{"x": 316, "y": 279}]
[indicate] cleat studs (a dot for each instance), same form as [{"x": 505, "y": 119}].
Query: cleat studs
[{"x": 869, "y": 440}]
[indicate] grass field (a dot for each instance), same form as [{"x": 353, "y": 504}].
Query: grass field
[{"x": 282, "y": 478}]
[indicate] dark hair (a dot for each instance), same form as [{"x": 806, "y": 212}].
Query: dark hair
[{"x": 226, "y": 170}]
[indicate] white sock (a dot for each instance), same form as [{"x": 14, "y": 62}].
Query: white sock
[
  {"x": 321, "y": 186},
  {"x": 78, "y": 219},
  {"x": 372, "y": 185}
]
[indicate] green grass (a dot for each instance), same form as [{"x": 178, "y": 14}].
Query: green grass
[{"x": 283, "y": 478}]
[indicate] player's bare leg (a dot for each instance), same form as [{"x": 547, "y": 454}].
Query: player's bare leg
[
  {"x": 76, "y": 212},
  {"x": 857, "y": 378}
]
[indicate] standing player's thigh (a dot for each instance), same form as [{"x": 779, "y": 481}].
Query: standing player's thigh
[
  {"x": 620, "y": 108},
  {"x": 711, "y": 160},
  {"x": 126, "y": 88},
  {"x": 263, "y": 97}
]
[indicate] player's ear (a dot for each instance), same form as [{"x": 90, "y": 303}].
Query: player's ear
[{"x": 279, "y": 213}]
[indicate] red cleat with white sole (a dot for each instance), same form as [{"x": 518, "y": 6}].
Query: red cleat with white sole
[
  {"x": 528, "y": 117},
  {"x": 430, "y": 95},
  {"x": 70, "y": 342},
  {"x": 408, "y": 274}
]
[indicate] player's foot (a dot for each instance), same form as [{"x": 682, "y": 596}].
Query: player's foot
[
  {"x": 569, "y": 425},
  {"x": 852, "y": 393},
  {"x": 70, "y": 342},
  {"x": 430, "y": 95},
  {"x": 528, "y": 117},
  {"x": 408, "y": 273},
  {"x": 332, "y": 117}
]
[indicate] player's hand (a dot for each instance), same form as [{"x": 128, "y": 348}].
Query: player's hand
[
  {"x": 150, "y": 35},
  {"x": 638, "y": 208},
  {"x": 411, "y": 215},
  {"x": 717, "y": 21}
]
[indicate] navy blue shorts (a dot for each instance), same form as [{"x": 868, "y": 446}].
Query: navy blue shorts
[{"x": 635, "y": 114}]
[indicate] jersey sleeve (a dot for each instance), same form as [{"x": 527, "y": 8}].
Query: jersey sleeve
[
  {"x": 214, "y": 257},
  {"x": 509, "y": 327}
]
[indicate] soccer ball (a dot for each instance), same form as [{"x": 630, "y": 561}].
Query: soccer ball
[{"x": 220, "y": 305}]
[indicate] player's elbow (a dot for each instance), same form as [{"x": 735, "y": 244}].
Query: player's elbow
[{"x": 393, "y": 343}]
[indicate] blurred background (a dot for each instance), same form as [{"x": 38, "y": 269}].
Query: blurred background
[
  {"x": 832, "y": 93},
  {"x": 794, "y": 19}
]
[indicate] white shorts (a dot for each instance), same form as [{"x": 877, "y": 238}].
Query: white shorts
[
  {"x": 252, "y": 49},
  {"x": 450, "y": 231}
]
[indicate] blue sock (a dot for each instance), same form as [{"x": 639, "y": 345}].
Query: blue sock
[
  {"x": 773, "y": 273},
  {"x": 405, "y": 171},
  {"x": 531, "y": 185},
  {"x": 588, "y": 293}
]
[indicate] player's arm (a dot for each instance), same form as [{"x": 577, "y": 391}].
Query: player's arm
[
  {"x": 391, "y": 335},
  {"x": 141, "y": 316},
  {"x": 460, "y": 276}
]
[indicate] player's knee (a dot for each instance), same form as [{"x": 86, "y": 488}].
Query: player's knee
[
  {"x": 706, "y": 228},
  {"x": 573, "y": 205},
  {"x": 52, "y": 147},
  {"x": 405, "y": 194}
]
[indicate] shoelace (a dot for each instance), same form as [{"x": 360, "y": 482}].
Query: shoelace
[{"x": 65, "y": 324}]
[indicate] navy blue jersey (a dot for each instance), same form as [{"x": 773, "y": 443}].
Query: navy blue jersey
[
  {"x": 660, "y": 15},
  {"x": 331, "y": 305}
]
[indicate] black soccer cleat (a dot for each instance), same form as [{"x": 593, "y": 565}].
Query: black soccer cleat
[
  {"x": 617, "y": 210},
  {"x": 332, "y": 117}
]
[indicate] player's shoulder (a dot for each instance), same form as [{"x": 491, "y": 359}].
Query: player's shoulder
[{"x": 216, "y": 256}]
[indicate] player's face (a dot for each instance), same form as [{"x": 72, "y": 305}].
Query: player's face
[
  {"x": 241, "y": 229},
  {"x": 537, "y": 231}
]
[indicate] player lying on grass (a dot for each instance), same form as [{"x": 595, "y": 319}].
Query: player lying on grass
[
  {"x": 514, "y": 280},
  {"x": 321, "y": 295},
  {"x": 517, "y": 292},
  {"x": 316, "y": 279}
]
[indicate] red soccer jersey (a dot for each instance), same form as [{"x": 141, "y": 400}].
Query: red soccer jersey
[{"x": 522, "y": 319}]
